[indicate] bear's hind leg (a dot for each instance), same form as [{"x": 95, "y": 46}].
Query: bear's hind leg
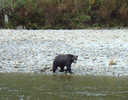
[
  {"x": 62, "y": 69},
  {"x": 54, "y": 67}
]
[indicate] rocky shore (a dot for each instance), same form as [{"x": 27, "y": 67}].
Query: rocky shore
[{"x": 101, "y": 52}]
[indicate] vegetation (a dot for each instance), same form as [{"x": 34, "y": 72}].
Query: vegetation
[{"x": 68, "y": 14}]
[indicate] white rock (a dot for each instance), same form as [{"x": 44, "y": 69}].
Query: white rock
[{"x": 33, "y": 50}]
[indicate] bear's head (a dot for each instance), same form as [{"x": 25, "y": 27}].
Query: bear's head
[{"x": 73, "y": 58}]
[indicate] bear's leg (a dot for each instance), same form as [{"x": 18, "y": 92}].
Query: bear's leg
[
  {"x": 69, "y": 68},
  {"x": 54, "y": 67},
  {"x": 62, "y": 69}
]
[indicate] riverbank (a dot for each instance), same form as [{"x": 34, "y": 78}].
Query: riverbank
[{"x": 101, "y": 52}]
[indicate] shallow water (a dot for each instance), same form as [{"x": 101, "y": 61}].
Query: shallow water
[{"x": 15, "y": 86}]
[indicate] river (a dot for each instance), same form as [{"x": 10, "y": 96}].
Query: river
[{"x": 15, "y": 86}]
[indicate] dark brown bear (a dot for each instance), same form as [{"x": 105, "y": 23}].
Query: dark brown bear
[{"x": 62, "y": 61}]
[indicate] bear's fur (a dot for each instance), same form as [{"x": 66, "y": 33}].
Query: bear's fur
[{"x": 63, "y": 60}]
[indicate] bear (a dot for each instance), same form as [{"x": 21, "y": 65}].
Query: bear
[{"x": 63, "y": 60}]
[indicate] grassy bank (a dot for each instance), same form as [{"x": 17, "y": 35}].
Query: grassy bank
[{"x": 68, "y": 14}]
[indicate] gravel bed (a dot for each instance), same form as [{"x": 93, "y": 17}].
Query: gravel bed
[{"x": 101, "y": 52}]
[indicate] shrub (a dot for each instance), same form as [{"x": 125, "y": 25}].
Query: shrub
[
  {"x": 68, "y": 14},
  {"x": 123, "y": 11}
]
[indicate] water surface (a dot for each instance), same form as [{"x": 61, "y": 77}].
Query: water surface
[{"x": 15, "y": 86}]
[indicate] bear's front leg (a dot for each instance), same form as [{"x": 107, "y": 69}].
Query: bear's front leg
[{"x": 69, "y": 69}]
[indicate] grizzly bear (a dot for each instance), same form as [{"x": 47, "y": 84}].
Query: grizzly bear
[{"x": 63, "y": 60}]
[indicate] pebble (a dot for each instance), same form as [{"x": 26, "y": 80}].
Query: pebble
[{"x": 33, "y": 50}]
